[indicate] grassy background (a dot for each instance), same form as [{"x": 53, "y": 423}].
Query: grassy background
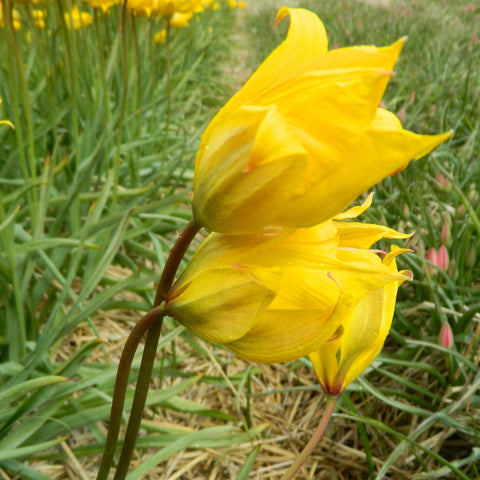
[{"x": 92, "y": 192}]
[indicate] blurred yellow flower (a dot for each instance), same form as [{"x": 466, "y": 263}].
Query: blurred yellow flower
[
  {"x": 104, "y": 5},
  {"x": 160, "y": 36},
  {"x": 76, "y": 19},
  {"x": 303, "y": 137},
  {"x": 341, "y": 360},
  {"x": 15, "y": 18},
  {"x": 232, "y": 4},
  {"x": 180, "y": 20},
  {"x": 39, "y": 18},
  {"x": 280, "y": 294},
  {"x": 163, "y": 8},
  {"x": 241, "y": 5}
]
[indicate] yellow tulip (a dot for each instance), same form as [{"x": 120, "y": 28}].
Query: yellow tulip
[
  {"x": 280, "y": 294},
  {"x": 163, "y": 8},
  {"x": 39, "y": 18},
  {"x": 160, "y": 36},
  {"x": 76, "y": 19},
  {"x": 180, "y": 20},
  {"x": 303, "y": 137},
  {"x": 16, "y": 20},
  {"x": 341, "y": 360},
  {"x": 104, "y": 5}
]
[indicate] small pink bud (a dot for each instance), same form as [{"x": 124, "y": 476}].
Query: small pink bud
[
  {"x": 401, "y": 114},
  {"x": 442, "y": 258},
  {"x": 432, "y": 257},
  {"x": 445, "y": 336},
  {"x": 412, "y": 97},
  {"x": 441, "y": 180}
]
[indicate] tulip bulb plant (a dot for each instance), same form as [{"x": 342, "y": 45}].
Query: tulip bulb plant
[{"x": 285, "y": 273}]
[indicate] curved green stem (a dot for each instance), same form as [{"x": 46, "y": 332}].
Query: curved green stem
[{"x": 316, "y": 437}]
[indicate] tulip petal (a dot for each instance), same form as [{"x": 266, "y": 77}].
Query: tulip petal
[
  {"x": 384, "y": 149},
  {"x": 364, "y": 235},
  {"x": 306, "y": 39},
  {"x": 257, "y": 165},
  {"x": 278, "y": 337},
  {"x": 201, "y": 306},
  {"x": 355, "y": 212}
]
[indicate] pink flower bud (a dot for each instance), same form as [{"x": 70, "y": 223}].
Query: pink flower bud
[
  {"x": 442, "y": 258},
  {"x": 441, "y": 180},
  {"x": 432, "y": 257},
  {"x": 445, "y": 336}
]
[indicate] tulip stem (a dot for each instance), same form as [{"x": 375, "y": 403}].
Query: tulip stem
[
  {"x": 151, "y": 320},
  {"x": 316, "y": 437},
  {"x": 139, "y": 399},
  {"x": 150, "y": 323},
  {"x": 173, "y": 261}
]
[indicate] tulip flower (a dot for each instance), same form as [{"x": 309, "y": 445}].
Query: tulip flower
[
  {"x": 104, "y": 5},
  {"x": 16, "y": 20},
  {"x": 76, "y": 19},
  {"x": 163, "y": 8},
  {"x": 279, "y": 294},
  {"x": 364, "y": 330},
  {"x": 303, "y": 137}
]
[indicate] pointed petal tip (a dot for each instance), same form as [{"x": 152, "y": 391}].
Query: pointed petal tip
[{"x": 281, "y": 14}]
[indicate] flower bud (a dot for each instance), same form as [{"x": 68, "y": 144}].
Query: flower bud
[
  {"x": 471, "y": 257},
  {"x": 442, "y": 258},
  {"x": 446, "y": 230},
  {"x": 445, "y": 337},
  {"x": 432, "y": 257}
]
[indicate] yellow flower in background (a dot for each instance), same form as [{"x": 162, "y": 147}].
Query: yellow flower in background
[
  {"x": 241, "y": 5},
  {"x": 15, "y": 18},
  {"x": 160, "y": 36},
  {"x": 341, "y": 360},
  {"x": 163, "y": 8},
  {"x": 180, "y": 20},
  {"x": 303, "y": 137},
  {"x": 280, "y": 294},
  {"x": 39, "y": 18},
  {"x": 76, "y": 19},
  {"x": 104, "y": 5}
]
